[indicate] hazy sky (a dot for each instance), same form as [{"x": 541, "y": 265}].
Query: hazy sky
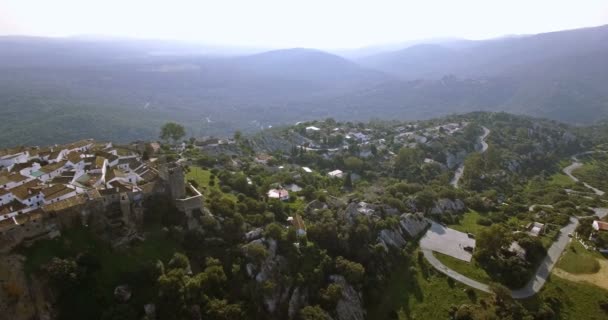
[{"x": 305, "y": 23}]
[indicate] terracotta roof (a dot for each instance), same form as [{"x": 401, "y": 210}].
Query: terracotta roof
[
  {"x": 16, "y": 177},
  {"x": 53, "y": 167},
  {"x": 12, "y": 206},
  {"x": 74, "y": 157},
  {"x": 56, "y": 191},
  {"x": 26, "y": 190},
  {"x": 602, "y": 226},
  {"x": 27, "y": 217},
  {"x": 99, "y": 162},
  {"x": 65, "y": 204},
  {"x": 107, "y": 155},
  {"x": 3, "y": 192},
  {"x": 12, "y": 151}
]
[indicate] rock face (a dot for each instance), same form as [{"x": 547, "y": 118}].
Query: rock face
[
  {"x": 410, "y": 226},
  {"x": 454, "y": 159},
  {"x": 270, "y": 270},
  {"x": 122, "y": 293},
  {"x": 254, "y": 234},
  {"x": 298, "y": 300},
  {"x": 443, "y": 206},
  {"x": 349, "y": 307}
]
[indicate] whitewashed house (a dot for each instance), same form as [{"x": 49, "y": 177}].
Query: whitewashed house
[
  {"x": 336, "y": 174},
  {"x": 280, "y": 194}
]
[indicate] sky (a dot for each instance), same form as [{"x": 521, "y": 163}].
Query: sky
[{"x": 304, "y": 23}]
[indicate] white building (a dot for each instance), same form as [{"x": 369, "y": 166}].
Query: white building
[
  {"x": 280, "y": 194},
  {"x": 336, "y": 174}
]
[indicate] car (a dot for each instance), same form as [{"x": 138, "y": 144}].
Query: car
[
  {"x": 468, "y": 248},
  {"x": 470, "y": 235},
  {"x": 570, "y": 235}
]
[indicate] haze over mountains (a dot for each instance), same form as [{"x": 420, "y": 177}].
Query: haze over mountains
[{"x": 122, "y": 89}]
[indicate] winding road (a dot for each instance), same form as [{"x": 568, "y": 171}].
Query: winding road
[
  {"x": 543, "y": 271},
  {"x": 460, "y": 169},
  {"x": 577, "y": 164}
]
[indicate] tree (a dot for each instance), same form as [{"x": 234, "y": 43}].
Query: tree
[
  {"x": 274, "y": 231},
  {"x": 238, "y": 135},
  {"x": 313, "y": 313},
  {"x": 352, "y": 271},
  {"x": 172, "y": 131},
  {"x": 222, "y": 310}
]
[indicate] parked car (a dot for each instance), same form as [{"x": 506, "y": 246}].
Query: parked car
[
  {"x": 468, "y": 248},
  {"x": 470, "y": 235}
]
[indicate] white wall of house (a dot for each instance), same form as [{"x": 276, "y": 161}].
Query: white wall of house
[
  {"x": 48, "y": 176},
  {"x": 10, "y": 160},
  {"x": 28, "y": 171},
  {"x": 6, "y": 198}
]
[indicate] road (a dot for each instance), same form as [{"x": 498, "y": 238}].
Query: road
[
  {"x": 577, "y": 164},
  {"x": 460, "y": 169},
  {"x": 534, "y": 285},
  {"x": 555, "y": 251}
]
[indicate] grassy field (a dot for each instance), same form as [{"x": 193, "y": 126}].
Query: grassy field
[
  {"x": 112, "y": 268},
  {"x": 468, "y": 223},
  {"x": 577, "y": 300},
  {"x": 425, "y": 294},
  {"x": 469, "y": 269},
  {"x": 576, "y": 259},
  {"x": 202, "y": 178},
  {"x": 561, "y": 180}
]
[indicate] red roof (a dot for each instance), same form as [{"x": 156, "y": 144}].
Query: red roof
[{"x": 602, "y": 226}]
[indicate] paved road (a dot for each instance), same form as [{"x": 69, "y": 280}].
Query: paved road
[
  {"x": 460, "y": 169},
  {"x": 534, "y": 285},
  {"x": 577, "y": 164},
  {"x": 544, "y": 270}
]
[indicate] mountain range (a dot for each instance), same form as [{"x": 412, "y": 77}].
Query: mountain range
[{"x": 54, "y": 90}]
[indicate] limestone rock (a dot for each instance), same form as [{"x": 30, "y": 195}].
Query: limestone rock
[
  {"x": 298, "y": 300},
  {"x": 349, "y": 307},
  {"x": 122, "y": 293},
  {"x": 445, "y": 205}
]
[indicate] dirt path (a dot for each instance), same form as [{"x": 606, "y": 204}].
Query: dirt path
[{"x": 599, "y": 278}]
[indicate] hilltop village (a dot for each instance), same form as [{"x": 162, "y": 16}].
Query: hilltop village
[
  {"x": 45, "y": 190},
  {"x": 318, "y": 220}
]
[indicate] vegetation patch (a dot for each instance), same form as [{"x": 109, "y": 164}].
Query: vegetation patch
[{"x": 577, "y": 260}]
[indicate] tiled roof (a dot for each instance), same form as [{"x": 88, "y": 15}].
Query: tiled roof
[
  {"x": 65, "y": 204},
  {"x": 22, "y": 192},
  {"x": 53, "y": 167},
  {"x": 12, "y": 207},
  {"x": 55, "y": 191},
  {"x": 74, "y": 157}
]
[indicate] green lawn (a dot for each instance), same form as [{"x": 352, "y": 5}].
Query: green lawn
[
  {"x": 576, "y": 300},
  {"x": 468, "y": 223},
  {"x": 576, "y": 259},
  {"x": 202, "y": 178},
  {"x": 468, "y": 269},
  {"x": 426, "y": 294}
]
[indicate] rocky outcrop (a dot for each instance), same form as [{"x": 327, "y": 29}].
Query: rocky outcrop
[
  {"x": 413, "y": 224},
  {"x": 122, "y": 293},
  {"x": 445, "y": 205},
  {"x": 353, "y": 210},
  {"x": 454, "y": 159},
  {"x": 350, "y": 305},
  {"x": 410, "y": 226},
  {"x": 298, "y": 300},
  {"x": 254, "y": 234},
  {"x": 270, "y": 271}
]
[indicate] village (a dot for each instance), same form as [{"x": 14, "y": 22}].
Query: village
[{"x": 44, "y": 190}]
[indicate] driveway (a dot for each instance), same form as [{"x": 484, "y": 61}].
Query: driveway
[{"x": 447, "y": 241}]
